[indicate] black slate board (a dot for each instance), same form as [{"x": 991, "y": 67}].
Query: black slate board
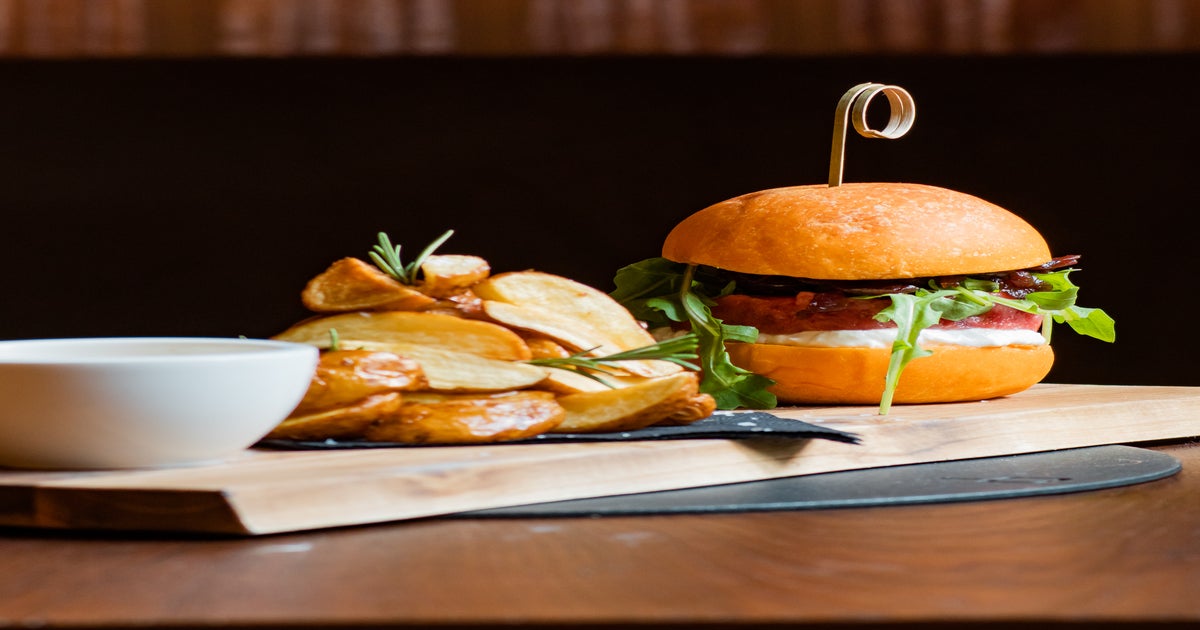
[
  {"x": 1052, "y": 472},
  {"x": 721, "y": 425}
]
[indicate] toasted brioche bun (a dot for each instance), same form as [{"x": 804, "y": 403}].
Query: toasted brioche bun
[
  {"x": 808, "y": 375},
  {"x": 857, "y": 231}
]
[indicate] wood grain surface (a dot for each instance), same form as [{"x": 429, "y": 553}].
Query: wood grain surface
[
  {"x": 260, "y": 492},
  {"x": 1109, "y": 558}
]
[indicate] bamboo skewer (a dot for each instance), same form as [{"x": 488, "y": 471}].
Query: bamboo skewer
[{"x": 852, "y": 108}]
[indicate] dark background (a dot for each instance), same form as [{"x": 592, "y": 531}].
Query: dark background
[{"x": 196, "y": 197}]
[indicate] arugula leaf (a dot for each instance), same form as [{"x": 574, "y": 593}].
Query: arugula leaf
[
  {"x": 1091, "y": 322},
  {"x": 649, "y": 290},
  {"x": 913, "y": 313},
  {"x": 1058, "y": 306},
  {"x": 728, "y": 384},
  {"x": 660, "y": 292},
  {"x": 967, "y": 305}
]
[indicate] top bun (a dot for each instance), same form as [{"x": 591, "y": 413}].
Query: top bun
[{"x": 858, "y": 231}]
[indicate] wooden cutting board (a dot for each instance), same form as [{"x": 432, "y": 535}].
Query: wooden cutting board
[{"x": 262, "y": 492}]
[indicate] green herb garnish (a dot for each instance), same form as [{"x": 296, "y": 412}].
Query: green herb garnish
[
  {"x": 678, "y": 350},
  {"x": 915, "y": 312},
  {"x": 661, "y": 292},
  {"x": 387, "y": 258}
]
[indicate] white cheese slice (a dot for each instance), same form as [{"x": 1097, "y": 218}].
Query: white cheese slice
[{"x": 883, "y": 338}]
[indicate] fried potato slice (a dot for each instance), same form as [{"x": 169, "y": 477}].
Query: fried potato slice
[
  {"x": 578, "y": 334},
  {"x": 574, "y": 301},
  {"x": 449, "y": 274},
  {"x": 462, "y": 304},
  {"x": 339, "y": 423},
  {"x": 453, "y": 371},
  {"x": 563, "y": 382},
  {"x": 351, "y": 284},
  {"x": 464, "y": 419},
  {"x": 698, "y": 407},
  {"x": 628, "y": 408},
  {"x": 573, "y": 333},
  {"x": 481, "y": 338},
  {"x": 541, "y": 348},
  {"x": 344, "y": 376}
]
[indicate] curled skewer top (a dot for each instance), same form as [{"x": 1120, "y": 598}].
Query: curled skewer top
[{"x": 853, "y": 108}]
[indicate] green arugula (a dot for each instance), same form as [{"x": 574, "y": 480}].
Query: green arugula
[
  {"x": 660, "y": 292},
  {"x": 915, "y": 312}
]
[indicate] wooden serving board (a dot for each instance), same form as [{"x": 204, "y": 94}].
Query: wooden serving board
[{"x": 261, "y": 492}]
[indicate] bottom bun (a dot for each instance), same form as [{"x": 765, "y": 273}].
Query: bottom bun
[{"x": 808, "y": 375}]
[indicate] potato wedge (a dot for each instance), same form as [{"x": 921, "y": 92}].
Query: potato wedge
[
  {"x": 628, "y": 408},
  {"x": 576, "y": 334},
  {"x": 573, "y": 333},
  {"x": 351, "y": 284},
  {"x": 573, "y": 301},
  {"x": 563, "y": 382},
  {"x": 542, "y": 348},
  {"x": 477, "y": 337},
  {"x": 339, "y": 423},
  {"x": 459, "y": 419},
  {"x": 453, "y": 371},
  {"x": 698, "y": 407},
  {"x": 446, "y": 275},
  {"x": 463, "y": 304},
  {"x": 345, "y": 376}
]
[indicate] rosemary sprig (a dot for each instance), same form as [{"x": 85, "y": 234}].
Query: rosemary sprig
[
  {"x": 678, "y": 350},
  {"x": 387, "y": 257}
]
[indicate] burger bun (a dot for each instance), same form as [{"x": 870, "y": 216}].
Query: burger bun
[
  {"x": 815, "y": 375},
  {"x": 862, "y": 231}
]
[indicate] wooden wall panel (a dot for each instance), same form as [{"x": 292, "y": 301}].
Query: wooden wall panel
[{"x": 274, "y": 28}]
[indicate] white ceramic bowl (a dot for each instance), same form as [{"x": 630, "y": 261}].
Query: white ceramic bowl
[{"x": 137, "y": 402}]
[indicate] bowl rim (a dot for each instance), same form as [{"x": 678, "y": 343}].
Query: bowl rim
[{"x": 24, "y": 351}]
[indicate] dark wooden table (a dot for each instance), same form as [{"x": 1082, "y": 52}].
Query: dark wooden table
[{"x": 1117, "y": 556}]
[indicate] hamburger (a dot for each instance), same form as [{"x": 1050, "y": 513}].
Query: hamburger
[{"x": 864, "y": 293}]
